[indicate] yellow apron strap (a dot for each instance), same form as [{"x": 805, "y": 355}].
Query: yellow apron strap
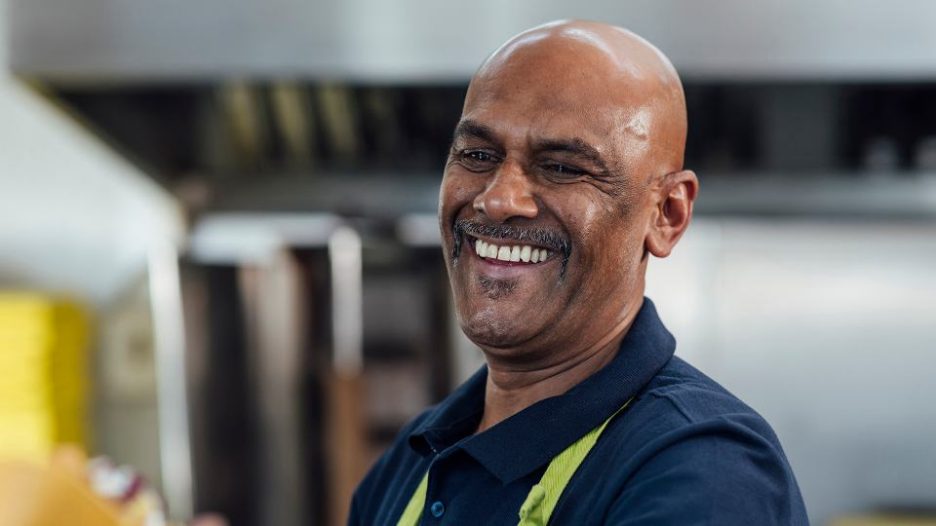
[
  {"x": 414, "y": 509},
  {"x": 543, "y": 497}
]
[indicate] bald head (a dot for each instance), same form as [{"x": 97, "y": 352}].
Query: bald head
[
  {"x": 569, "y": 148},
  {"x": 562, "y": 64}
]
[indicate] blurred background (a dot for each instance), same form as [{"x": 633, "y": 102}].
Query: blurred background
[{"x": 219, "y": 256}]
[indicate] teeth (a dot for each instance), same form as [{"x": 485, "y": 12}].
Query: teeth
[{"x": 524, "y": 253}]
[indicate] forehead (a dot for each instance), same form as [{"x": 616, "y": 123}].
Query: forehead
[
  {"x": 540, "y": 112},
  {"x": 572, "y": 91}
]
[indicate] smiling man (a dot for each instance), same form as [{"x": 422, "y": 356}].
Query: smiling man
[{"x": 565, "y": 175}]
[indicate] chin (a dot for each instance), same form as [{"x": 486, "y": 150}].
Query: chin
[{"x": 493, "y": 330}]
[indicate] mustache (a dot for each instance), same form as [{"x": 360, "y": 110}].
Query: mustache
[{"x": 544, "y": 237}]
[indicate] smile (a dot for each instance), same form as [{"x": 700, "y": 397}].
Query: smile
[{"x": 510, "y": 253}]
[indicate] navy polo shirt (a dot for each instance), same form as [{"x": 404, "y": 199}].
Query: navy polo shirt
[{"x": 684, "y": 452}]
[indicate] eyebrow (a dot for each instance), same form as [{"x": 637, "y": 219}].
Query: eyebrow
[
  {"x": 470, "y": 128},
  {"x": 575, "y": 145}
]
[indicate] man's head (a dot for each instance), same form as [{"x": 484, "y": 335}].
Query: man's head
[{"x": 570, "y": 144}]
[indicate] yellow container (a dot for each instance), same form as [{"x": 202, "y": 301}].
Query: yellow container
[{"x": 43, "y": 388}]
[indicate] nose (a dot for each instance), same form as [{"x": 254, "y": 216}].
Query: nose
[{"x": 508, "y": 194}]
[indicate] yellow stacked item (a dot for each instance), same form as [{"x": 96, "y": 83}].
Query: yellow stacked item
[{"x": 43, "y": 388}]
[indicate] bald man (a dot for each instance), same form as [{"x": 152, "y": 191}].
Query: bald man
[{"x": 564, "y": 176}]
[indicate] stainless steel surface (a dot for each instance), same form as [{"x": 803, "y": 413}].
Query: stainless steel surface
[
  {"x": 344, "y": 252},
  {"x": 422, "y": 40},
  {"x": 869, "y": 195},
  {"x": 259, "y": 239},
  {"x": 377, "y": 196},
  {"x": 419, "y": 230},
  {"x": 273, "y": 284},
  {"x": 275, "y": 315},
  {"x": 175, "y": 449},
  {"x": 245, "y": 238}
]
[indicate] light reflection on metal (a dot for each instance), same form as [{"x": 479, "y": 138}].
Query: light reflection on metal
[
  {"x": 249, "y": 238},
  {"x": 344, "y": 252},
  {"x": 174, "y": 438},
  {"x": 419, "y": 230}
]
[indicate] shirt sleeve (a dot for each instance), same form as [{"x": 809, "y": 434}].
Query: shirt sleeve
[
  {"x": 354, "y": 515},
  {"x": 726, "y": 471}
]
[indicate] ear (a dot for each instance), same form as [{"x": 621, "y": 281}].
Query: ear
[{"x": 674, "y": 197}]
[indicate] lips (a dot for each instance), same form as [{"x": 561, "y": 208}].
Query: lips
[{"x": 504, "y": 237}]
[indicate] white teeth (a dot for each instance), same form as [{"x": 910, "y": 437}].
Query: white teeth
[{"x": 514, "y": 253}]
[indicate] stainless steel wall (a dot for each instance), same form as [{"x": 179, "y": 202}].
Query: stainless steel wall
[
  {"x": 826, "y": 328},
  {"x": 427, "y": 40}
]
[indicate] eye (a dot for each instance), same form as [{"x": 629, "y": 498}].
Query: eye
[
  {"x": 478, "y": 160},
  {"x": 563, "y": 170},
  {"x": 479, "y": 156}
]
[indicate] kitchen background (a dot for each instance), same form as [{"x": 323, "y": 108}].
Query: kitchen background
[{"x": 221, "y": 214}]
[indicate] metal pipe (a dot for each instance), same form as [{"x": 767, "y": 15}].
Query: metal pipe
[
  {"x": 344, "y": 252},
  {"x": 172, "y": 397}
]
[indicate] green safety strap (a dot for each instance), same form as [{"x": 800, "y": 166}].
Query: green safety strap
[
  {"x": 544, "y": 495},
  {"x": 414, "y": 509}
]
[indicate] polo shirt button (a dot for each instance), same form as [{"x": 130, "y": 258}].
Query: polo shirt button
[{"x": 437, "y": 509}]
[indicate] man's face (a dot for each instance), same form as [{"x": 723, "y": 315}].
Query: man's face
[{"x": 549, "y": 165}]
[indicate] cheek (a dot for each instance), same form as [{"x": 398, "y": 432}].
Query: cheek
[
  {"x": 456, "y": 192},
  {"x": 608, "y": 232}
]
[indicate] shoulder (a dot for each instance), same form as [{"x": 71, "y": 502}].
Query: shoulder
[
  {"x": 698, "y": 452},
  {"x": 680, "y": 398}
]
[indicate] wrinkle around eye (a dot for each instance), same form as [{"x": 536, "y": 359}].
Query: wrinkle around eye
[
  {"x": 476, "y": 160},
  {"x": 562, "y": 173},
  {"x": 565, "y": 169}
]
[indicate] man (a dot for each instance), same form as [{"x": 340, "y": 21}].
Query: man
[{"x": 564, "y": 176}]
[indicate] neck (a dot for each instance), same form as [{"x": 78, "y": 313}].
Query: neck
[{"x": 511, "y": 388}]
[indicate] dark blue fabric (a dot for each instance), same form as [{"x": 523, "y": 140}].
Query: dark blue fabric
[{"x": 685, "y": 452}]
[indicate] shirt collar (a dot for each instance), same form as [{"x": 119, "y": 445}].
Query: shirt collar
[{"x": 531, "y": 438}]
